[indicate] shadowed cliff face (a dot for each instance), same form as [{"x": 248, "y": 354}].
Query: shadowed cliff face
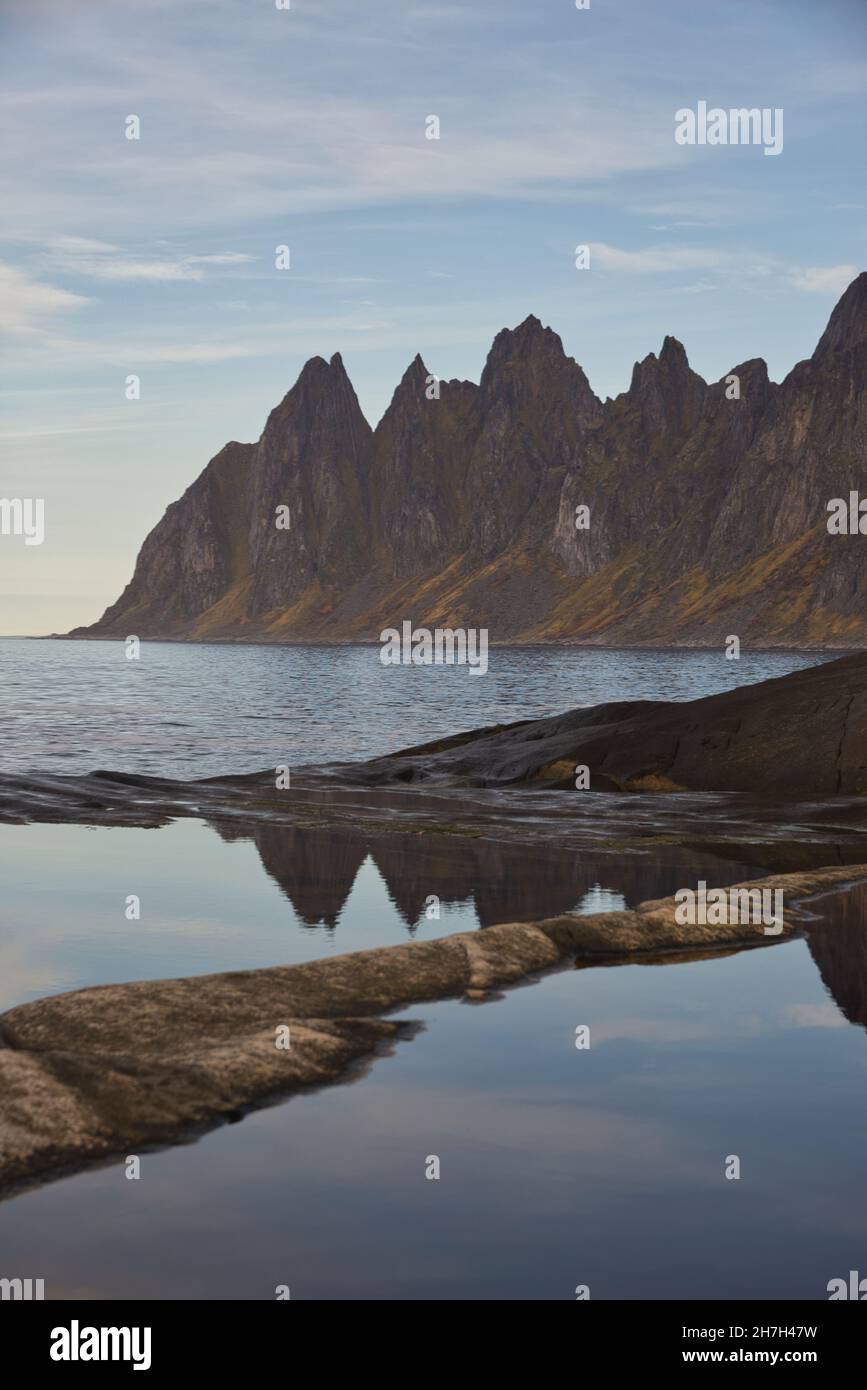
[
  {"x": 313, "y": 457},
  {"x": 421, "y": 454},
  {"x": 708, "y": 507},
  {"x": 197, "y": 554}
]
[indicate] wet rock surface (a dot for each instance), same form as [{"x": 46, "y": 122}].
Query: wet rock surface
[{"x": 805, "y": 733}]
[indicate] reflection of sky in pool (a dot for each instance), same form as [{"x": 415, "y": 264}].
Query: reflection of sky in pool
[
  {"x": 210, "y": 904},
  {"x": 558, "y": 1166}
]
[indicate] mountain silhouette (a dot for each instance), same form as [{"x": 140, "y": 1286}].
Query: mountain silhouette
[{"x": 707, "y": 507}]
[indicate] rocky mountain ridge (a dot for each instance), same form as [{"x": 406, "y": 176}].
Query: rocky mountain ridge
[{"x": 707, "y": 507}]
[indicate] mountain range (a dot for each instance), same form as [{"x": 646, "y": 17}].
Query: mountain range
[{"x": 706, "y": 507}]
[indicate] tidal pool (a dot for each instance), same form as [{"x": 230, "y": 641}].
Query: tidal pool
[
  {"x": 233, "y": 899},
  {"x": 559, "y": 1166}
]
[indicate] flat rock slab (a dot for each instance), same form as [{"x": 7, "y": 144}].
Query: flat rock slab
[
  {"x": 800, "y": 734},
  {"x": 100, "y": 1072}
]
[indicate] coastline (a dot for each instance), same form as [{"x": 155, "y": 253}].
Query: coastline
[
  {"x": 88, "y": 1074},
  {"x": 261, "y": 640}
]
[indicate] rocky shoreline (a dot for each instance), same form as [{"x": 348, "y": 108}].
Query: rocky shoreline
[
  {"x": 770, "y": 774},
  {"x": 800, "y": 734}
]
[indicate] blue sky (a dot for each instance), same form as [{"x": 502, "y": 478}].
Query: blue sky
[{"x": 306, "y": 127}]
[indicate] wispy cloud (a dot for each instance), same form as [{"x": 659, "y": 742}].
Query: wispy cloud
[
  {"x": 187, "y": 354},
  {"x": 99, "y": 260},
  {"x": 831, "y": 279},
  {"x": 655, "y": 259},
  {"x": 28, "y": 305},
  {"x": 126, "y": 269},
  {"x": 80, "y": 245},
  {"x": 229, "y": 132},
  {"x": 225, "y": 258},
  {"x": 671, "y": 260}
]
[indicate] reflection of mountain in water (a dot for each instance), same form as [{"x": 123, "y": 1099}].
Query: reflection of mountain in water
[
  {"x": 838, "y": 945},
  {"x": 314, "y": 868},
  {"x": 317, "y": 868}
]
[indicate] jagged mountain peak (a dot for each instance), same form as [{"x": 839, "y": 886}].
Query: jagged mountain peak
[
  {"x": 532, "y": 325},
  {"x": 529, "y": 362},
  {"x": 667, "y": 393},
  {"x": 409, "y": 393},
  {"x": 320, "y": 371},
  {"x": 847, "y": 326},
  {"x": 754, "y": 383},
  {"x": 755, "y": 367},
  {"x": 673, "y": 353},
  {"x": 416, "y": 373},
  {"x": 670, "y": 361},
  {"x": 318, "y": 382},
  {"x": 530, "y": 337},
  {"x": 318, "y": 368},
  {"x": 461, "y": 507}
]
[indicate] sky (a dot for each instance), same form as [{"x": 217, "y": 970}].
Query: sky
[{"x": 306, "y": 127}]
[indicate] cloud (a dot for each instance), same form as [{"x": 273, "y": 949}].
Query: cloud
[
  {"x": 26, "y": 304},
  {"x": 81, "y": 244},
  {"x": 101, "y": 260},
  {"x": 668, "y": 260},
  {"x": 192, "y": 353},
  {"x": 226, "y": 258},
  {"x": 229, "y": 136},
  {"x": 138, "y": 270},
  {"x": 662, "y": 259},
  {"x": 832, "y": 279},
  {"x": 353, "y": 155},
  {"x": 360, "y": 327}
]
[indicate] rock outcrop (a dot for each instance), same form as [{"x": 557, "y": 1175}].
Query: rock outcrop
[
  {"x": 707, "y": 506},
  {"x": 796, "y": 735}
]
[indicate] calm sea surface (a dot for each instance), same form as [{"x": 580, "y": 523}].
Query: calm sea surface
[
  {"x": 559, "y": 1167},
  {"x": 198, "y": 711}
]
